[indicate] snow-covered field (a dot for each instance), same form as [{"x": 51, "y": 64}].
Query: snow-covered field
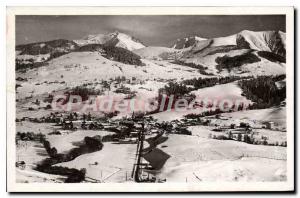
[
  {"x": 31, "y": 176},
  {"x": 61, "y": 72},
  {"x": 153, "y": 52},
  {"x": 71, "y": 140},
  {"x": 229, "y": 91},
  {"x": 276, "y": 115},
  {"x": 196, "y": 159},
  {"x": 115, "y": 162},
  {"x": 219, "y": 94}
]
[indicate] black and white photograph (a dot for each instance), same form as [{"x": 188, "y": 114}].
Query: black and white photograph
[{"x": 150, "y": 99}]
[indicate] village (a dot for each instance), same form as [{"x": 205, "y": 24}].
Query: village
[{"x": 147, "y": 133}]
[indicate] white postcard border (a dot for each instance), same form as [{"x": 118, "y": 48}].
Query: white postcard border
[{"x": 12, "y": 186}]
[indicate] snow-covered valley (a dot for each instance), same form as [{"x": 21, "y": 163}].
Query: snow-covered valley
[{"x": 202, "y": 142}]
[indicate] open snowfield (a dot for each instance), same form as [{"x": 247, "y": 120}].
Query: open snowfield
[
  {"x": 43, "y": 128},
  {"x": 30, "y": 176},
  {"x": 218, "y": 94},
  {"x": 61, "y": 72},
  {"x": 71, "y": 140},
  {"x": 115, "y": 161},
  {"x": 175, "y": 115},
  {"x": 210, "y": 160},
  {"x": 215, "y": 160},
  {"x": 276, "y": 115},
  {"x": 227, "y": 40},
  {"x": 229, "y": 91},
  {"x": 264, "y": 67},
  {"x": 32, "y": 153},
  {"x": 272, "y": 135},
  {"x": 153, "y": 52},
  {"x": 209, "y": 61}
]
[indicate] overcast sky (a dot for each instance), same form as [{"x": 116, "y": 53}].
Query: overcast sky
[{"x": 151, "y": 30}]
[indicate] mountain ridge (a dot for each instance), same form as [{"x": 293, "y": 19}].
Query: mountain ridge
[
  {"x": 266, "y": 47},
  {"x": 272, "y": 41},
  {"x": 116, "y": 39}
]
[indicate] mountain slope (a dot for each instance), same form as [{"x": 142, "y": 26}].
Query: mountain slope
[
  {"x": 35, "y": 54},
  {"x": 49, "y": 47},
  {"x": 116, "y": 39},
  {"x": 113, "y": 53},
  {"x": 244, "y": 53},
  {"x": 271, "y": 41},
  {"x": 217, "y": 56},
  {"x": 157, "y": 53},
  {"x": 77, "y": 68}
]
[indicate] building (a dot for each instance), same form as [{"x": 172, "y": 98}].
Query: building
[{"x": 269, "y": 125}]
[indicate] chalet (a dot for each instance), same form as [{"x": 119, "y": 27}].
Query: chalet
[{"x": 269, "y": 125}]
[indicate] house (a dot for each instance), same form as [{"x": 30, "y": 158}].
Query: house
[{"x": 269, "y": 125}]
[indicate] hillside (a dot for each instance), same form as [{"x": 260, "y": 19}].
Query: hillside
[
  {"x": 157, "y": 53},
  {"x": 118, "y": 54},
  {"x": 49, "y": 47}
]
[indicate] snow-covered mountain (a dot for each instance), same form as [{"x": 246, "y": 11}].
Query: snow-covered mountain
[
  {"x": 116, "y": 39},
  {"x": 242, "y": 53},
  {"x": 30, "y": 54},
  {"x": 271, "y": 41},
  {"x": 187, "y": 42}
]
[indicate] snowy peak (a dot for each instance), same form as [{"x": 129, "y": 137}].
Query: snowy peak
[
  {"x": 187, "y": 42},
  {"x": 116, "y": 39},
  {"x": 93, "y": 39},
  {"x": 128, "y": 42},
  {"x": 271, "y": 41}
]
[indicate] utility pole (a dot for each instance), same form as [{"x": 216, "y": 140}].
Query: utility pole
[{"x": 141, "y": 137}]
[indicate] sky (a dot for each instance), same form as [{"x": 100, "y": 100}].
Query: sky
[{"x": 151, "y": 30}]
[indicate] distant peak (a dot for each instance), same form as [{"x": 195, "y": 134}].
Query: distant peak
[
  {"x": 115, "y": 38},
  {"x": 114, "y": 33},
  {"x": 187, "y": 42}
]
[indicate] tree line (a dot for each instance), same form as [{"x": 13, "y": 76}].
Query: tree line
[
  {"x": 263, "y": 91},
  {"x": 91, "y": 144},
  {"x": 228, "y": 62},
  {"x": 200, "y": 68},
  {"x": 115, "y": 53}
]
